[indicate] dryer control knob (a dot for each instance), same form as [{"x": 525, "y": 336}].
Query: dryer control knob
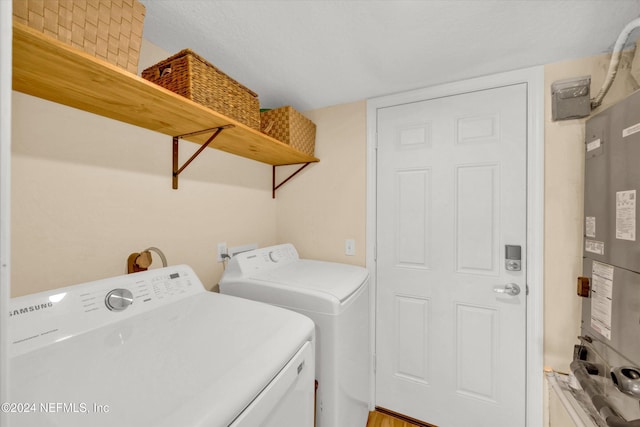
[
  {"x": 118, "y": 299},
  {"x": 274, "y": 256}
]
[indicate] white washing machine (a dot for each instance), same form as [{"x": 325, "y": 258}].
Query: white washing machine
[
  {"x": 336, "y": 297},
  {"x": 156, "y": 349}
]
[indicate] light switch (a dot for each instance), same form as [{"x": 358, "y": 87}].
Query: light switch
[{"x": 350, "y": 247}]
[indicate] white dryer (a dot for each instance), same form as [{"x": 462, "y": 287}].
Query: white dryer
[
  {"x": 156, "y": 349},
  {"x": 336, "y": 297}
]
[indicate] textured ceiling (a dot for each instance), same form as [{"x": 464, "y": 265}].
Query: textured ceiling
[{"x": 315, "y": 53}]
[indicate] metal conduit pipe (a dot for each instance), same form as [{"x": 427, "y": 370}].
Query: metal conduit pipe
[
  {"x": 615, "y": 62},
  {"x": 595, "y": 393},
  {"x": 159, "y": 252}
]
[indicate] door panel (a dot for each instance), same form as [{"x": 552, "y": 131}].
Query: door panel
[
  {"x": 476, "y": 335},
  {"x": 412, "y": 213},
  {"x": 451, "y": 193},
  {"x": 476, "y": 219},
  {"x": 412, "y": 326}
]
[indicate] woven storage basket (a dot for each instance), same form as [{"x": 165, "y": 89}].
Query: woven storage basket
[
  {"x": 107, "y": 29},
  {"x": 191, "y": 76},
  {"x": 291, "y": 127}
]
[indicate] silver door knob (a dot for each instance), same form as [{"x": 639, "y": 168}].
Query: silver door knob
[{"x": 509, "y": 289}]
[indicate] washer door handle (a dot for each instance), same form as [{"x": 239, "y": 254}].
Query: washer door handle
[{"x": 510, "y": 289}]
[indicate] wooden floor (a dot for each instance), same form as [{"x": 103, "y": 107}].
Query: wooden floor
[{"x": 383, "y": 418}]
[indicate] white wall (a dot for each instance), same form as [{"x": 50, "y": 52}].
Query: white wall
[{"x": 325, "y": 204}]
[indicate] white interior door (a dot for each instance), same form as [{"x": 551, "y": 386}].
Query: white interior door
[{"x": 451, "y": 193}]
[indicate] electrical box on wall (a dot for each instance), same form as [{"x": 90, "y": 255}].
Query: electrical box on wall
[{"x": 571, "y": 98}]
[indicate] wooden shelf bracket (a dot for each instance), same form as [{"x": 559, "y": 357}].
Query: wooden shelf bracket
[
  {"x": 176, "y": 139},
  {"x": 275, "y": 187}
]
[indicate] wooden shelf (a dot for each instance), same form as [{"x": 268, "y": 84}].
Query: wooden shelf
[{"x": 49, "y": 69}]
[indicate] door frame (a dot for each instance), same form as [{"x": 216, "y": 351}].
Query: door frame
[
  {"x": 6, "y": 71},
  {"x": 534, "y": 79}
]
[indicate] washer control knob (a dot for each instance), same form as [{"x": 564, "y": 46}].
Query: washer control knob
[
  {"x": 118, "y": 299},
  {"x": 274, "y": 256}
]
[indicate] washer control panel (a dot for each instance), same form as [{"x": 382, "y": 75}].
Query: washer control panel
[
  {"x": 262, "y": 259},
  {"x": 43, "y": 318}
]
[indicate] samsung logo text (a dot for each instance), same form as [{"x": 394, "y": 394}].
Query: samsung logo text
[{"x": 30, "y": 309}]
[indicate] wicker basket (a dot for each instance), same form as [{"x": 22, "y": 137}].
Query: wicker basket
[
  {"x": 107, "y": 29},
  {"x": 191, "y": 76},
  {"x": 291, "y": 127}
]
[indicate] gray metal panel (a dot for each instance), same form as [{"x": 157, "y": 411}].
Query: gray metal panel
[
  {"x": 625, "y": 168},
  {"x": 612, "y": 167},
  {"x": 596, "y": 194},
  {"x": 625, "y": 319}
]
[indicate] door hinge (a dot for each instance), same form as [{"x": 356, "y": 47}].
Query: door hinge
[{"x": 527, "y": 285}]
